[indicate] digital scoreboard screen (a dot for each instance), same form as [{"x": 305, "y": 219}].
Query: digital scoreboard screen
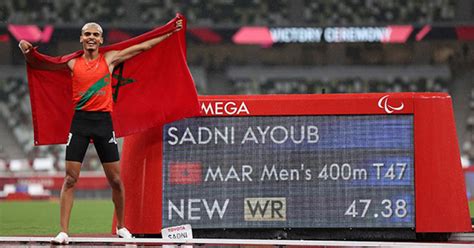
[{"x": 334, "y": 171}]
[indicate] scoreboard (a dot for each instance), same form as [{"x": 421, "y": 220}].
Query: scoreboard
[
  {"x": 377, "y": 161},
  {"x": 289, "y": 171}
]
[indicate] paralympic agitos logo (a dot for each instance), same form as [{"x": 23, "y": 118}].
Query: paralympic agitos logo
[{"x": 385, "y": 105}]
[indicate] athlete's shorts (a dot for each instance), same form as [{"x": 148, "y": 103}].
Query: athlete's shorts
[{"x": 95, "y": 126}]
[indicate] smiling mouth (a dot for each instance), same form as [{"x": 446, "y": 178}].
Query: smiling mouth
[{"x": 91, "y": 45}]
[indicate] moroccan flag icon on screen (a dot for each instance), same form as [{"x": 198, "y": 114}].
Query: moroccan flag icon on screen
[{"x": 185, "y": 173}]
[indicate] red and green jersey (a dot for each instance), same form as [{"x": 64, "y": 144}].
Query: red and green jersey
[{"x": 91, "y": 85}]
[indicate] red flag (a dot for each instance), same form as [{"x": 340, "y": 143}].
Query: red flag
[
  {"x": 185, "y": 173},
  {"x": 150, "y": 89}
]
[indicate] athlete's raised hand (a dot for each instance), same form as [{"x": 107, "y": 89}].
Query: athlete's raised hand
[
  {"x": 178, "y": 25},
  {"x": 25, "y": 46}
]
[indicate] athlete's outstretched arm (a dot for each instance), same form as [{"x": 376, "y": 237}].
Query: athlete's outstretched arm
[
  {"x": 27, "y": 48},
  {"x": 117, "y": 57}
]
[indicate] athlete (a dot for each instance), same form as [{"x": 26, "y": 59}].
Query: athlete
[{"x": 92, "y": 96}]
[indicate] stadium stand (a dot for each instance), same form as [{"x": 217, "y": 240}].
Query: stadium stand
[
  {"x": 267, "y": 12},
  {"x": 214, "y": 12},
  {"x": 16, "y": 110},
  {"x": 230, "y": 12},
  {"x": 338, "y": 79},
  {"x": 287, "y": 69},
  {"x": 354, "y": 12},
  {"x": 61, "y": 12},
  {"x": 349, "y": 85}
]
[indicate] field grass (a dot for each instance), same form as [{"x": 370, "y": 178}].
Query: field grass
[
  {"x": 471, "y": 208},
  {"x": 42, "y": 217}
]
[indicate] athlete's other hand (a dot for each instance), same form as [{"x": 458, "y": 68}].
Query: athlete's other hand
[{"x": 25, "y": 46}]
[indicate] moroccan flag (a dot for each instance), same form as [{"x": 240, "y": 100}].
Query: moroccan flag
[
  {"x": 185, "y": 173},
  {"x": 150, "y": 89}
]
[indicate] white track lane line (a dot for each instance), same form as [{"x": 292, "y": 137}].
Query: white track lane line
[{"x": 240, "y": 242}]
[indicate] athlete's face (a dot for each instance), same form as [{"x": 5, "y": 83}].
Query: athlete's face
[{"x": 91, "y": 39}]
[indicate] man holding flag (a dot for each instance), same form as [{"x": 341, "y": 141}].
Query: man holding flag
[{"x": 92, "y": 92}]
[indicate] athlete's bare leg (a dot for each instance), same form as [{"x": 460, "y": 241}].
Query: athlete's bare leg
[
  {"x": 112, "y": 171},
  {"x": 73, "y": 170}
]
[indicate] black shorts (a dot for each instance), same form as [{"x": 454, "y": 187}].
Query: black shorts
[{"x": 95, "y": 126}]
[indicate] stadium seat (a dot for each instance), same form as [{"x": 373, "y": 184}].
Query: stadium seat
[{"x": 43, "y": 164}]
